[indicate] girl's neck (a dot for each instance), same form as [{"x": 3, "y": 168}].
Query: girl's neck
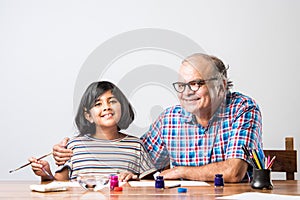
[{"x": 107, "y": 133}]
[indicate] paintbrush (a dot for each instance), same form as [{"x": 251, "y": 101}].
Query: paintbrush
[{"x": 29, "y": 163}]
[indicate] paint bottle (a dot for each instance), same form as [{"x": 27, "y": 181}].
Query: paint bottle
[
  {"x": 219, "y": 181},
  {"x": 159, "y": 182},
  {"x": 114, "y": 182}
]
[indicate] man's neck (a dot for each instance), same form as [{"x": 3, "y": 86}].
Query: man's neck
[{"x": 203, "y": 117}]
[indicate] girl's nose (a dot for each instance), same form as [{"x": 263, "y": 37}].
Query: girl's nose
[{"x": 106, "y": 106}]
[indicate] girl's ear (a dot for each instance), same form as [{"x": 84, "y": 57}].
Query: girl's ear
[{"x": 87, "y": 116}]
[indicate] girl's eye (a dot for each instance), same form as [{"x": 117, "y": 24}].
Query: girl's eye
[
  {"x": 97, "y": 104},
  {"x": 112, "y": 101}
]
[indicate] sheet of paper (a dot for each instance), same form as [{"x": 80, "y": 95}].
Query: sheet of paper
[
  {"x": 54, "y": 186},
  {"x": 259, "y": 196},
  {"x": 50, "y": 187},
  {"x": 168, "y": 183}
]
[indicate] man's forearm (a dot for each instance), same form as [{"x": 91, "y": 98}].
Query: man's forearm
[{"x": 233, "y": 170}]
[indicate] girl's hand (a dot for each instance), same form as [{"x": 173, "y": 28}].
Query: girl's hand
[
  {"x": 126, "y": 176},
  {"x": 40, "y": 167}
]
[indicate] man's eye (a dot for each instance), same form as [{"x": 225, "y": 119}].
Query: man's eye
[
  {"x": 200, "y": 83},
  {"x": 194, "y": 83}
]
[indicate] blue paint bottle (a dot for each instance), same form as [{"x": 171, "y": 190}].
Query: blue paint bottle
[
  {"x": 159, "y": 182},
  {"x": 219, "y": 181}
]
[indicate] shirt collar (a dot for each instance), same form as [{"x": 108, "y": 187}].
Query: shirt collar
[{"x": 187, "y": 117}]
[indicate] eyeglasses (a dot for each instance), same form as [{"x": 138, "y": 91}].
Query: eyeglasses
[{"x": 193, "y": 85}]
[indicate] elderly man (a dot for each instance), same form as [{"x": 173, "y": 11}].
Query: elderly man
[{"x": 204, "y": 135}]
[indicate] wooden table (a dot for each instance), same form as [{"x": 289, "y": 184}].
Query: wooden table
[{"x": 20, "y": 190}]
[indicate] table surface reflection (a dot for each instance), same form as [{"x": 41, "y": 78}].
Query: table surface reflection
[{"x": 20, "y": 190}]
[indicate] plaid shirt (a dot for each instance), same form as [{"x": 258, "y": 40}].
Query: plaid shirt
[{"x": 176, "y": 137}]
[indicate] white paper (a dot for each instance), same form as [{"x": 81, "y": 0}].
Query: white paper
[
  {"x": 259, "y": 196},
  {"x": 50, "y": 187},
  {"x": 168, "y": 183},
  {"x": 54, "y": 186}
]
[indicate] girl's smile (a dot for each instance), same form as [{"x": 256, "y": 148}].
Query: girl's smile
[{"x": 106, "y": 111}]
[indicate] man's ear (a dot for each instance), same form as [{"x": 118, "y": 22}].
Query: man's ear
[
  {"x": 222, "y": 88},
  {"x": 88, "y": 117},
  {"x": 225, "y": 83}
]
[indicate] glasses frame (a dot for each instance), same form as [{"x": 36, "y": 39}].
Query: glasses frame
[{"x": 199, "y": 82}]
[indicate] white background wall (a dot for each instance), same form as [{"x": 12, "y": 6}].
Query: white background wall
[{"x": 43, "y": 45}]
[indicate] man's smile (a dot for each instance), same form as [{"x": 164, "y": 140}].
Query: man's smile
[{"x": 191, "y": 100}]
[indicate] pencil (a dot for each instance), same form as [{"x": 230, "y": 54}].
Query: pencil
[
  {"x": 249, "y": 157},
  {"x": 271, "y": 162},
  {"x": 29, "y": 163},
  {"x": 172, "y": 186},
  {"x": 256, "y": 159},
  {"x": 261, "y": 157}
]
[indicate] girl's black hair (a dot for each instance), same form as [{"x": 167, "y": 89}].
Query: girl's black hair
[{"x": 88, "y": 99}]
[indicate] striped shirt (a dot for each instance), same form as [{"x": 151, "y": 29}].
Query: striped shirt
[
  {"x": 91, "y": 155},
  {"x": 177, "y": 135}
]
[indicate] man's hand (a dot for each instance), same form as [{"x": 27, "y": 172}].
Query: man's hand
[
  {"x": 173, "y": 173},
  {"x": 60, "y": 153},
  {"x": 233, "y": 170}
]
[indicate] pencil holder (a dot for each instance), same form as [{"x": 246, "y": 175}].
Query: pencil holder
[{"x": 262, "y": 179}]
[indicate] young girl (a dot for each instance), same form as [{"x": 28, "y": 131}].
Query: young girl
[{"x": 100, "y": 147}]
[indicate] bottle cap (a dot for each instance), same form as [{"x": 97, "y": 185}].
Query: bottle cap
[
  {"x": 114, "y": 177},
  {"x": 118, "y": 189},
  {"x": 182, "y": 190}
]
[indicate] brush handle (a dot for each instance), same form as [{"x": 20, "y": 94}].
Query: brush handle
[{"x": 30, "y": 163}]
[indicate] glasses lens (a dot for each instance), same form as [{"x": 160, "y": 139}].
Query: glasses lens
[
  {"x": 194, "y": 85},
  {"x": 179, "y": 87}
]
